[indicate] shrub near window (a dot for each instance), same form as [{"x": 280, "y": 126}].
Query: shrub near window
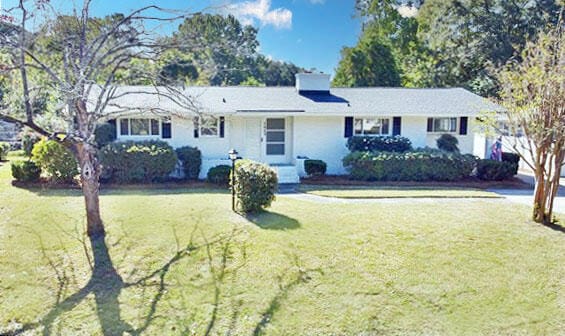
[
  {"x": 255, "y": 185},
  {"x": 315, "y": 167},
  {"x": 104, "y": 134},
  {"x": 448, "y": 143},
  {"x": 137, "y": 161},
  {"x": 25, "y": 171},
  {"x": 191, "y": 161},
  {"x": 4, "y": 149},
  {"x": 379, "y": 144},
  {"x": 492, "y": 170},
  {"x": 55, "y": 159},
  {"x": 219, "y": 175},
  {"x": 409, "y": 166}
]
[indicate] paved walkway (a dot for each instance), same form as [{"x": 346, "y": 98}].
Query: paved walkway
[{"x": 522, "y": 196}]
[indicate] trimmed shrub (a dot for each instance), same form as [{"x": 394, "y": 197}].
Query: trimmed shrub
[
  {"x": 315, "y": 167},
  {"x": 492, "y": 170},
  {"x": 104, "y": 134},
  {"x": 25, "y": 171},
  {"x": 379, "y": 144},
  {"x": 137, "y": 161},
  {"x": 409, "y": 166},
  {"x": 29, "y": 139},
  {"x": 448, "y": 143},
  {"x": 55, "y": 159},
  {"x": 4, "y": 149},
  {"x": 191, "y": 159},
  {"x": 219, "y": 175},
  {"x": 512, "y": 158},
  {"x": 255, "y": 185}
]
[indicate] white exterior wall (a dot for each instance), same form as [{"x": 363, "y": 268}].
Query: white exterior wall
[
  {"x": 414, "y": 128},
  {"x": 467, "y": 143},
  {"x": 321, "y": 138}
]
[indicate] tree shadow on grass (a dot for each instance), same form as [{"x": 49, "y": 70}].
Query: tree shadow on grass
[
  {"x": 106, "y": 285},
  {"x": 273, "y": 221},
  {"x": 555, "y": 226}
]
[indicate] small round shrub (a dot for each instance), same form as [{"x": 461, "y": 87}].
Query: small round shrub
[
  {"x": 512, "y": 158},
  {"x": 25, "y": 171},
  {"x": 137, "y": 161},
  {"x": 219, "y": 175},
  {"x": 492, "y": 170},
  {"x": 315, "y": 167},
  {"x": 4, "y": 149},
  {"x": 191, "y": 159},
  {"x": 255, "y": 185},
  {"x": 448, "y": 143},
  {"x": 55, "y": 159},
  {"x": 104, "y": 134}
]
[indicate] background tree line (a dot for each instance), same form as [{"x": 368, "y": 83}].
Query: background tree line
[{"x": 441, "y": 43}]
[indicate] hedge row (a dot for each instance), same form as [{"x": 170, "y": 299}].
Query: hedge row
[
  {"x": 409, "y": 166},
  {"x": 492, "y": 170},
  {"x": 146, "y": 161}
]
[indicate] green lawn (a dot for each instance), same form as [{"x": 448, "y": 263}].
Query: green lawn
[
  {"x": 395, "y": 192},
  {"x": 183, "y": 263}
]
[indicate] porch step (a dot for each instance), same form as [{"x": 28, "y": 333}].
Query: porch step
[{"x": 286, "y": 174}]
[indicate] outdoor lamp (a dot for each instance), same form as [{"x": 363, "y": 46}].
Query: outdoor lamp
[{"x": 233, "y": 156}]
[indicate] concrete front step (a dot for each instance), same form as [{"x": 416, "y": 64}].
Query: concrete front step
[{"x": 287, "y": 174}]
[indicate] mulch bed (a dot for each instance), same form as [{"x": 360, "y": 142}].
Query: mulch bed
[{"x": 475, "y": 183}]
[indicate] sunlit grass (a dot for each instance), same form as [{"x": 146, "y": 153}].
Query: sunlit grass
[
  {"x": 395, "y": 192},
  {"x": 469, "y": 266}
]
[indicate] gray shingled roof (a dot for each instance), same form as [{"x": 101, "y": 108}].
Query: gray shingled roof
[{"x": 343, "y": 101}]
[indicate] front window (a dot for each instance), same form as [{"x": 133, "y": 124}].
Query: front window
[
  {"x": 444, "y": 125},
  {"x": 209, "y": 126},
  {"x": 139, "y": 127},
  {"x": 372, "y": 126}
]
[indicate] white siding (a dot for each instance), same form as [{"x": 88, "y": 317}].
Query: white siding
[
  {"x": 414, "y": 128},
  {"x": 321, "y": 138}
]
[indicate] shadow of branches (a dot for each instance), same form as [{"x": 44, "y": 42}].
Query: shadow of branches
[{"x": 106, "y": 285}]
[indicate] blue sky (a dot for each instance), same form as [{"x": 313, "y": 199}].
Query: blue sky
[{"x": 309, "y": 33}]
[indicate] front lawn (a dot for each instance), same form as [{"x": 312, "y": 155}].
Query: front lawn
[{"x": 178, "y": 262}]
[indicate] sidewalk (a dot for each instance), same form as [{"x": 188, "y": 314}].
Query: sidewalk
[{"x": 525, "y": 196}]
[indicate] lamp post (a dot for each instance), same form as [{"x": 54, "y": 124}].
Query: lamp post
[{"x": 233, "y": 156}]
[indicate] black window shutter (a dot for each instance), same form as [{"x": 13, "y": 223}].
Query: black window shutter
[
  {"x": 430, "y": 124},
  {"x": 348, "y": 127},
  {"x": 196, "y": 127},
  {"x": 396, "y": 125},
  {"x": 166, "y": 130},
  {"x": 113, "y": 123},
  {"x": 463, "y": 126},
  {"x": 222, "y": 122}
]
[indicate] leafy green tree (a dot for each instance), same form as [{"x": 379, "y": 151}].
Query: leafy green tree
[
  {"x": 533, "y": 93},
  {"x": 370, "y": 63},
  {"x": 468, "y": 39}
]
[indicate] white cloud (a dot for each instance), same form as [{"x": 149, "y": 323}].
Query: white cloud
[
  {"x": 317, "y": 2},
  {"x": 407, "y": 11},
  {"x": 250, "y": 12}
]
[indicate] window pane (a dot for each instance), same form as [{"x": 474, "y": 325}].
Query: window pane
[
  {"x": 208, "y": 126},
  {"x": 124, "y": 126},
  {"x": 453, "y": 126},
  {"x": 384, "y": 127},
  {"x": 275, "y": 149},
  {"x": 275, "y": 136},
  {"x": 139, "y": 126},
  {"x": 372, "y": 126},
  {"x": 154, "y": 127},
  {"x": 275, "y": 124},
  {"x": 358, "y": 126}
]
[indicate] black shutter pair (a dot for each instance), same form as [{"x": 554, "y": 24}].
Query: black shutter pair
[
  {"x": 348, "y": 132},
  {"x": 221, "y": 130}
]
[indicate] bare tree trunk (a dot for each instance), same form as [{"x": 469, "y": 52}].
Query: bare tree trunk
[
  {"x": 89, "y": 176},
  {"x": 539, "y": 197}
]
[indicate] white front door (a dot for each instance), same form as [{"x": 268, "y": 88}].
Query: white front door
[
  {"x": 253, "y": 139},
  {"x": 275, "y": 146}
]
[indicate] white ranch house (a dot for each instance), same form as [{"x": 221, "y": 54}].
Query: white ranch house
[{"x": 281, "y": 126}]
